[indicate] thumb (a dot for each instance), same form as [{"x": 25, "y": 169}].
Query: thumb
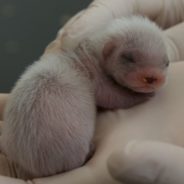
[{"x": 148, "y": 162}]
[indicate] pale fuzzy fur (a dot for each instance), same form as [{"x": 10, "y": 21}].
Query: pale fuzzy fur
[
  {"x": 49, "y": 118},
  {"x": 146, "y": 32}
]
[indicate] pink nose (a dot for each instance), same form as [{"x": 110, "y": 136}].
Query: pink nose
[
  {"x": 150, "y": 80},
  {"x": 146, "y": 79},
  {"x": 153, "y": 79}
]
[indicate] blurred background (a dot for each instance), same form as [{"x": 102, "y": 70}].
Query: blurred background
[{"x": 26, "y": 28}]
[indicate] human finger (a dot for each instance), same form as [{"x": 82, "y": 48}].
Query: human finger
[
  {"x": 3, "y": 99},
  {"x": 148, "y": 162},
  {"x": 175, "y": 42},
  {"x": 101, "y": 12}
]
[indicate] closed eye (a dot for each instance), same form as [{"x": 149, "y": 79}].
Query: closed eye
[
  {"x": 128, "y": 57},
  {"x": 167, "y": 62}
]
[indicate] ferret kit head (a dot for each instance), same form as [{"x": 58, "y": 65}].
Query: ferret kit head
[{"x": 133, "y": 53}]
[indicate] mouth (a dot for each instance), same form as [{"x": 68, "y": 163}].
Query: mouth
[
  {"x": 143, "y": 89},
  {"x": 134, "y": 89}
]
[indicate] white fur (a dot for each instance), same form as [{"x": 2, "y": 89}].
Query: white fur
[
  {"x": 140, "y": 29},
  {"x": 49, "y": 118}
]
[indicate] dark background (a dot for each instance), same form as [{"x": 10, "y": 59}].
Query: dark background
[{"x": 26, "y": 28}]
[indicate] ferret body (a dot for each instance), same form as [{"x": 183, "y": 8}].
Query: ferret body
[
  {"x": 50, "y": 116},
  {"x": 49, "y": 119}
]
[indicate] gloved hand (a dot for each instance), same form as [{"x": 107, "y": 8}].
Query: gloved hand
[
  {"x": 158, "y": 119},
  {"x": 167, "y": 14},
  {"x": 148, "y": 162}
]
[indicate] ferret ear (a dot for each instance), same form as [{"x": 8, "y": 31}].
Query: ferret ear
[{"x": 108, "y": 49}]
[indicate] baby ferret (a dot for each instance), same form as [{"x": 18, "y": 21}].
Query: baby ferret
[
  {"x": 131, "y": 61},
  {"x": 50, "y": 115}
]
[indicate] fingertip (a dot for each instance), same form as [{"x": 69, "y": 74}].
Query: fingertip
[{"x": 131, "y": 166}]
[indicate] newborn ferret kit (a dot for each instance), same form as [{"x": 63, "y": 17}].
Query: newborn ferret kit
[{"x": 50, "y": 115}]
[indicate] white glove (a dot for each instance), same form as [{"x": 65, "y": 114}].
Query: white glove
[{"x": 110, "y": 137}]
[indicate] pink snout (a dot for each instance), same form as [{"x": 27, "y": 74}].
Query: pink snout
[{"x": 146, "y": 80}]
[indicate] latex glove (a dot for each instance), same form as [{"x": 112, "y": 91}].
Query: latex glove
[
  {"x": 108, "y": 139},
  {"x": 166, "y": 13},
  {"x": 119, "y": 159},
  {"x": 3, "y": 99},
  {"x": 147, "y": 162}
]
